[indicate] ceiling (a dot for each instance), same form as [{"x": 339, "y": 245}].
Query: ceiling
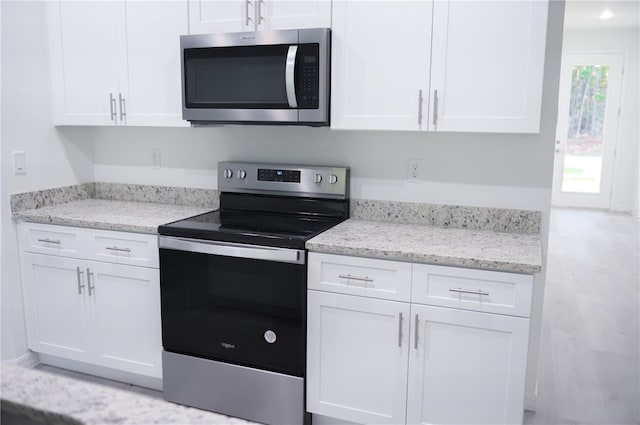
[{"x": 585, "y": 14}]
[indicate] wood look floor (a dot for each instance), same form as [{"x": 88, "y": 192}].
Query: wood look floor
[
  {"x": 589, "y": 364},
  {"x": 589, "y": 351}
]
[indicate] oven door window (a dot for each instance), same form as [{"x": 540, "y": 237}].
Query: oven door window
[
  {"x": 242, "y": 311},
  {"x": 236, "y": 77}
]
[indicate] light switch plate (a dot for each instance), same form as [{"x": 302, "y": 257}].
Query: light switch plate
[{"x": 19, "y": 162}]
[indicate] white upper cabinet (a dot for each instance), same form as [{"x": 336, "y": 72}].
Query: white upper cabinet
[
  {"x": 380, "y": 64},
  {"x": 84, "y": 61},
  {"x": 214, "y": 16},
  {"x": 487, "y": 66},
  {"x": 287, "y": 14},
  {"x": 116, "y": 62},
  {"x": 152, "y": 77},
  {"x": 484, "y": 59}
]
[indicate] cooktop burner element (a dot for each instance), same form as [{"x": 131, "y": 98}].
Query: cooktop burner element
[{"x": 272, "y": 205}]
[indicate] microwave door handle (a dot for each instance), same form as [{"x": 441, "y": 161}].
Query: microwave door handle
[{"x": 289, "y": 76}]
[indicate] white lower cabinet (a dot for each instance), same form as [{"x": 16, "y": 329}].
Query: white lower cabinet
[
  {"x": 377, "y": 361},
  {"x": 466, "y": 367},
  {"x": 100, "y": 313},
  {"x": 357, "y": 358},
  {"x": 56, "y": 307}
]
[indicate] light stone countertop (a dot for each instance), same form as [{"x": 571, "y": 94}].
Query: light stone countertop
[
  {"x": 41, "y": 397},
  {"x": 128, "y": 216},
  {"x": 481, "y": 249}
]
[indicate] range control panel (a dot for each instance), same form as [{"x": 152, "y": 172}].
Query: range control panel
[{"x": 307, "y": 180}]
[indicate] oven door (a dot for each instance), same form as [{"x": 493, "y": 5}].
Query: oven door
[{"x": 240, "y": 304}]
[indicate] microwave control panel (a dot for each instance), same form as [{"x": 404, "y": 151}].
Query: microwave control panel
[{"x": 308, "y": 76}]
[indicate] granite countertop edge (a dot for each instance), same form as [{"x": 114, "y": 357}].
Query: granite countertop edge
[
  {"x": 49, "y": 398},
  {"x": 104, "y": 214},
  {"x": 520, "y": 254}
]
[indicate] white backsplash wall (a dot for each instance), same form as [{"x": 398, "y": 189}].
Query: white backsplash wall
[{"x": 490, "y": 163}]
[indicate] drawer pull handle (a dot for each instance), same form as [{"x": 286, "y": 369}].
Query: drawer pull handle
[
  {"x": 57, "y": 242},
  {"x": 115, "y": 248},
  {"x": 80, "y": 285},
  {"x": 348, "y": 276},
  {"x": 400, "y": 331},
  {"x": 464, "y": 291}
]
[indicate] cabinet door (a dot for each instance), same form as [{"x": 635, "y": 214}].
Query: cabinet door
[
  {"x": 213, "y": 16},
  {"x": 293, "y": 14},
  {"x": 487, "y": 65},
  {"x": 55, "y": 309},
  {"x": 84, "y": 61},
  {"x": 357, "y": 358},
  {"x": 381, "y": 54},
  {"x": 468, "y": 367},
  {"x": 151, "y": 92},
  {"x": 126, "y": 317}
]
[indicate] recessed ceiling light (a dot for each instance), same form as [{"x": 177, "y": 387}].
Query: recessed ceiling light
[{"x": 606, "y": 14}]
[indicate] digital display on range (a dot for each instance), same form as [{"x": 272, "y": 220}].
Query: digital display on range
[{"x": 272, "y": 175}]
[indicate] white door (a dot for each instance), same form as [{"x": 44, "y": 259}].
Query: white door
[
  {"x": 357, "y": 358},
  {"x": 380, "y": 64},
  {"x": 293, "y": 14},
  {"x": 487, "y": 65},
  {"x": 151, "y": 92},
  {"x": 213, "y": 16},
  {"x": 84, "y": 61},
  {"x": 126, "y": 317},
  {"x": 466, "y": 367},
  {"x": 55, "y": 290},
  {"x": 587, "y": 129}
]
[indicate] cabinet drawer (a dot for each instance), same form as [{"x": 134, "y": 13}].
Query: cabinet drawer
[
  {"x": 479, "y": 290},
  {"x": 123, "y": 248},
  {"x": 366, "y": 277},
  {"x": 51, "y": 239}
]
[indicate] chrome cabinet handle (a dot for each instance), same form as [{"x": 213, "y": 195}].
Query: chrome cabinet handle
[
  {"x": 246, "y": 10},
  {"x": 115, "y": 248},
  {"x": 123, "y": 105},
  {"x": 465, "y": 291},
  {"x": 435, "y": 107},
  {"x": 80, "y": 284},
  {"x": 289, "y": 74},
  {"x": 420, "y": 107},
  {"x": 400, "y": 331},
  {"x": 112, "y": 106},
  {"x": 260, "y": 17},
  {"x": 89, "y": 276},
  {"x": 348, "y": 276},
  {"x": 57, "y": 242},
  {"x": 415, "y": 341}
]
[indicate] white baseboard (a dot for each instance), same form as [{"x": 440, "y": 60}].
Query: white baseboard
[
  {"x": 102, "y": 372},
  {"x": 28, "y": 360}
]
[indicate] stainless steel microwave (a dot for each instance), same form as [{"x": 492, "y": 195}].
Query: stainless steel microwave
[{"x": 264, "y": 77}]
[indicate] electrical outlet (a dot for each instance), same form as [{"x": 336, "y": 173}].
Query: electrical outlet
[
  {"x": 155, "y": 158},
  {"x": 414, "y": 170}
]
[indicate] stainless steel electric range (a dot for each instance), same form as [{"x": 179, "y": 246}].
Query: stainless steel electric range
[{"x": 233, "y": 290}]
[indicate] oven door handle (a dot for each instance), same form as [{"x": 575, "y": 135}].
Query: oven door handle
[{"x": 254, "y": 252}]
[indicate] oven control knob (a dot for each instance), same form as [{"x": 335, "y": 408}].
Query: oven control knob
[
  {"x": 317, "y": 178},
  {"x": 228, "y": 173},
  {"x": 333, "y": 179},
  {"x": 270, "y": 336},
  {"x": 242, "y": 174}
]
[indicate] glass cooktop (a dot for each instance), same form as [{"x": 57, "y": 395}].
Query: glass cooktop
[{"x": 250, "y": 227}]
